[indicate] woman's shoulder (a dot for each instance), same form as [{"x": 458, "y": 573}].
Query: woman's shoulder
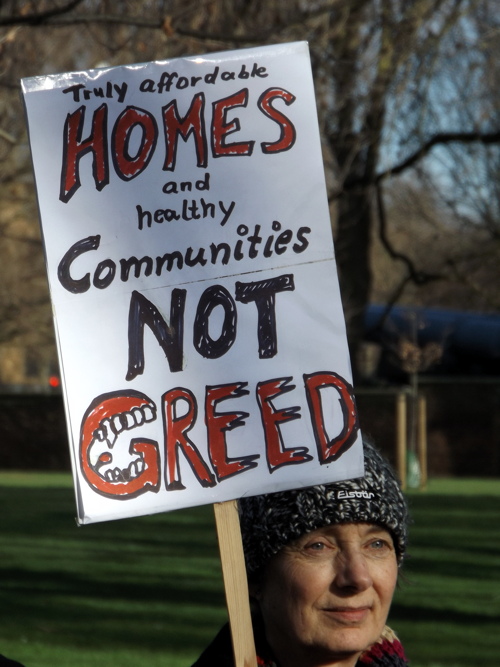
[
  {"x": 219, "y": 652},
  {"x": 5, "y": 662}
]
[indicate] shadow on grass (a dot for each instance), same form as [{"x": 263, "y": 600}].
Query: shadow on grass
[
  {"x": 447, "y": 607},
  {"x": 74, "y": 614},
  {"x": 431, "y": 615},
  {"x": 154, "y": 583},
  {"x": 455, "y": 536},
  {"x": 150, "y": 581}
]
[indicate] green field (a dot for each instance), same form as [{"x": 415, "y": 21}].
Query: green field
[{"x": 148, "y": 591}]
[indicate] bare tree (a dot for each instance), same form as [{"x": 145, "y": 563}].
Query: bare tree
[{"x": 390, "y": 77}]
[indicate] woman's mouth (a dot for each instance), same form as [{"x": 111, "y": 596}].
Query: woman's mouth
[{"x": 348, "y": 615}]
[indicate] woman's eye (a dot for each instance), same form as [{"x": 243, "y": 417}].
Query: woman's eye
[
  {"x": 316, "y": 546},
  {"x": 379, "y": 544}
]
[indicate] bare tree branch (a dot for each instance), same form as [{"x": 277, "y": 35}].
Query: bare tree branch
[
  {"x": 440, "y": 139},
  {"x": 62, "y": 17},
  {"x": 418, "y": 277},
  {"x": 39, "y": 18},
  {"x": 7, "y": 136}
]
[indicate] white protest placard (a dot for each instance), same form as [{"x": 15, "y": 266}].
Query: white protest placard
[{"x": 199, "y": 326}]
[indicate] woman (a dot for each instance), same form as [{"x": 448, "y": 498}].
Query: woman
[{"x": 323, "y": 564}]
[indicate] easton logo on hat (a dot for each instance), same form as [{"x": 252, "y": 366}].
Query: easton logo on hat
[{"x": 341, "y": 495}]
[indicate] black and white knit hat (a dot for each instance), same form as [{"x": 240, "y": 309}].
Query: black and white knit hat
[{"x": 269, "y": 522}]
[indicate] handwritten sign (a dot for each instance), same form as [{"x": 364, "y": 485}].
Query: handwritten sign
[{"x": 191, "y": 267}]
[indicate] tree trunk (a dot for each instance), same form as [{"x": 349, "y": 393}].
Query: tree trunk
[{"x": 353, "y": 259}]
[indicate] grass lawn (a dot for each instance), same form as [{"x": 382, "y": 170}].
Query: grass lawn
[
  {"x": 148, "y": 591},
  {"x": 447, "y": 611}
]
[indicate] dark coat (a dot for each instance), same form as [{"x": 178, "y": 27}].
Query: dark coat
[
  {"x": 5, "y": 662},
  {"x": 388, "y": 652}
]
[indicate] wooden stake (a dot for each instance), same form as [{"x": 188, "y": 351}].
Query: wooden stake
[
  {"x": 422, "y": 440},
  {"x": 235, "y": 582},
  {"x": 401, "y": 439}
]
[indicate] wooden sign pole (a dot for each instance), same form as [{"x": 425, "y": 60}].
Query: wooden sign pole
[
  {"x": 401, "y": 437},
  {"x": 235, "y": 582}
]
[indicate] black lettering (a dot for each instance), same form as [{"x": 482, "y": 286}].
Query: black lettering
[
  {"x": 263, "y": 292},
  {"x": 136, "y": 264},
  {"x": 81, "y": 285},
  {"x": 104, "y": 274},
  {"x": 214, "y": 296},
  {"x": 143, "y": 215},
  {"x": 170, "y": 336},
  {"x": 301, "y": 236}
]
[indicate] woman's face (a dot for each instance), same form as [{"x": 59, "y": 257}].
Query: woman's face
[{"x": 326, "y": 596}]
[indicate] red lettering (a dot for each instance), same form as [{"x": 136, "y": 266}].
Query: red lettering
[
  {"x": 117, "y": 473},
  {"x": 221, "y": 128},
  {"x": 331, "y": 450},
  {"x": 277, "y": 455},
  {"x": 107, "y": 417},
  {"x": 218, "y": 424},
  {"x": 128, "y": 166},
  {"x": 192, "y": 123},
  {"x": 176, "y": 427},
  {"x": 74, "y": 148},
  {"x": 288, "y": 133},
  {"x": 135, "y": 135}
]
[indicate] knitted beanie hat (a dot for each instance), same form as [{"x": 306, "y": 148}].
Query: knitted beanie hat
[{"x": 269, "y": 522}]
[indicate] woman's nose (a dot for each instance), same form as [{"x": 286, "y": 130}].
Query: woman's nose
[{"x": 352, "y": 571}]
